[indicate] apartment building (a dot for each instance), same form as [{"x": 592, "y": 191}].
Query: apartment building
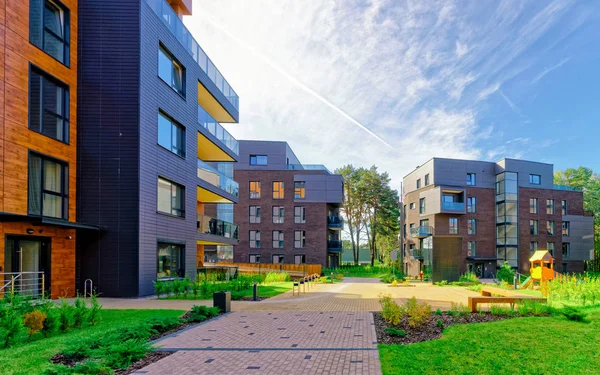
[
  {"x": 38, "y": 146},
  {"x": 499, "y": 212},
  {"x": 154, "y": 161},
  {"x": 287, "y": 212}
]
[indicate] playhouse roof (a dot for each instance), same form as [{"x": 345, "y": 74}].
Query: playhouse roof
[{"x": 541, "y": 255}]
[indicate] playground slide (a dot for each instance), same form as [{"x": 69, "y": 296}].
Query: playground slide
[{"x": 526, "y": 284}]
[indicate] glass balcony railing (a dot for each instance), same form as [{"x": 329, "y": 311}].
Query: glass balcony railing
[
  {"x": 216, "y": 178},
  {"x": 334, "y": 245},
  {"x": 335, "y": 221},
  {"x": 453, "y": 206},
  {"x": 421, "y": 231},
  {"x": 416, "y": 253},
  {"x": 217, "y": 130},
  {"x": 183, "y": 35},
  {"x": 217, "y": 227},
  {"x": 566, "y": 188},
  {"x": 307, "y": 167}
]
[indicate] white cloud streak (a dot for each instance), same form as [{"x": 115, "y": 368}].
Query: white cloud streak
[{"x": 550, "y": 69}]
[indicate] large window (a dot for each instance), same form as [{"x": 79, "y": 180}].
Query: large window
[
  {"x": 566, "y": 228},
  {"x": 471, "y": 226},
  {"x": 564, "y": 208},
  {"x": 472, "y": 249},
  {"x": 171, "y": 135},
  {"x": 170, "y": 260},
  {"x": 535, "y": 179},
  {"x": 471, "y": 179},
  {"x": 472, "y": 204},
  {"x": 48, "y": 106},
  {"x": 551, "y": 227},
  {"x": 427, "y": 179},
  {"x": 254, "y": 236},
  {"x": 550, "y": 206},
  {"x": 254, "y": 214},
  {"x": 299, "y": 239},
  {"x": 551, "y": 248},
  {"x": 299, "y": 215},
  {"x": 171, "y": 198},
  {"x": 299, "y": 190},
  {"x": 278, "y": 214},
  {"x": 48, "y": 187},
  {"x": 533, "y": 246},
  {"x": 277, "y": 258},
  {"x": 422, "y": 207},
  {"x": 171, "y": 71},
  {"x": 533, "y": 227},
  {"x": 254, "y": 258},
  {"x": 258, "y": 159},
  {"x": 254, "y": 189},
  {"x": 533, "y": 205},
  {"x": 278, "y": 190},
  {"x": 566, "y": 250},
  {"x": 453, "y": 225},
  {"x": 49, "y": 28},
  {"x": 277, "y": 239},
  {"x": 299, "y": 259}
]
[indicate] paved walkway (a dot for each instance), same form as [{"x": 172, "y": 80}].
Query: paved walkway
[{"x": 327, "y": 330}]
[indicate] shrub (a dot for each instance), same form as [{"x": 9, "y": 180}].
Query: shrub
[
  {"x": 439, "y": 323},
  {"x": 79, "y": 312},
  {"x": 475, "y": 288},
  {"x": 438, "y": 312},
  {"x": 79, "y": 350},
  {"x": 66, "y": 316},
  {"x": 441, "y": 283},
  {"x": 138, "y": 332},
  {"x": 93, "y": 316},
  {"x": 390, "y": 310},
  {"x": 168, "y": 287},
  {"x": 501, "y": 311},
  {"x": 159, "y": 288},
  {"x": 195, "y": 287},
  {"x": 506, "y": 273},
  {"x": 120, "y": 355},
  {"x": 164, "y": 324},
  {"x": 34, "y": 321},
  {"x": 574, "y": 314},
  {"x": 388, "y": 278},
  {"x": 339, "y": 276},
  {"x": 274, "y": 277},
  {"x": 417, "y": 312},
  {"x": 11, "y": 324},
  {"x": 52, "y": 321},
  {"x": 395, "y": 332},
  {"x": 535, "y": 308},
  {"x": 469, "y": 277},
  {"x": 87, "y": 367},
  {"x": 201, "y": 313},
  {"x": 458, "y": 309}
]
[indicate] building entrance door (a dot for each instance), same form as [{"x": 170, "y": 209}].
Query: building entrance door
[{"x": 26, "y": 259}]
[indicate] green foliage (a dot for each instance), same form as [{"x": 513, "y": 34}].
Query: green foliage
[
  {"x": 506, "y": 273},
  {"x": 458, "y": 309},
  {"x": 11, "y": 324},
  {"x": 34, "y": 321},
  {"x": 438, "y": 312},
  {"x": 417, "y": 312},
  {"x": 79, "y": 312},
  {"x": 121, "y": 355},
  {"x": 52, "y": 321},
  {"x": 201, "y": 313},
  {"x": 375, "y": 271},
  {"x": 574, "y": 289},
  {"x": 574, "y": 314},
  {"x": 534, "y": 308},
  {"x": 395, "y": 332},
  {"x": 159, "y": 288},
  {"x": 469, "y": 277},
  {"x": 93, "y": 316},
  {"x": 162, "y": 324},
  {"x": 441, "y": 283},
  {"x": 389, "y": 278},
  {"x": 501, "y": 310},
  {"x": 475, "y": 288},
  {"x": 277, "y": 277},
  {"x": 86, "y": 367},
  {"x": 439, "y": 323},
  {"x": 390, "y": 310}
]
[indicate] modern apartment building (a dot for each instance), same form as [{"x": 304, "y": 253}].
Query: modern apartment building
[
  {"x": 38, "y": 146},
  {"x": 154, "y": 159},
  {"x": 287, "y": 212},
  {"x": 501, "y": 211}
]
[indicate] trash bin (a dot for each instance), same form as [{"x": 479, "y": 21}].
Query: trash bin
[{"x": 222, "y": 300}]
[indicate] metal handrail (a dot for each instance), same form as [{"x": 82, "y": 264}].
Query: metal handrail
[{"x": 25, "y": 285}]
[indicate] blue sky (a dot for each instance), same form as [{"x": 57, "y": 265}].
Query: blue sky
[{"x": 394, "y": 83}]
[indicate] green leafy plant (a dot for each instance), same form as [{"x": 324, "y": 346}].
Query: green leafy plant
[
  {"x": 458, "y": 309},
  {"x": 11, "y": 324},
  {"x": 93, "y": 315},
  {"x": 395, "y": 332},
  {"x": 469, "y": 277},
  {"x": 441, "y": 283},
  {"x": 439, "y": 323},
  {"x": 80, "y": 312},
  {"x": 159, "y": 288},
  {"x": 52, "y": 321},
  {"x": 390, "y": 310},
  {"x": 438, "y": 312},
  {"x": 66, "y": 316},
  {"x": 161, "y": 325},
  {"x": 417, "y": 312},
  {"x": 122, "y": 355},
  {"x": 574, "y": 314},
  {"x": 201, "y": 313},
  {"x": 277, "y": 277},
  {"x": 506, "y": 273},
  {"x": 389, "y": 278}
]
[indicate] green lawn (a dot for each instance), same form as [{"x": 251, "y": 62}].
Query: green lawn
[
  {"x": 264, "y": 290},
  {"x": 550, "y": 345},
  {"x": 32, "y": 358},
  {"x": 375, "y": 272}
]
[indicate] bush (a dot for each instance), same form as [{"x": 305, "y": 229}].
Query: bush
[
  {"x": 469, "y": 277},
  {"x": 79, "y": 312},
  {"x": 34, "y": 321},
  {"x": 534, "y": 308},
  {"x": 201, "y": 313},
  {"x": 162, "y": 325},
  {"x": 159, "y": 288},
  {"x": 276, "y": 277},
  {"x": 79, "y": 350},
  {"x": 441, "y": 283},
  {"x": 390, "y": 310},
  {"x": 388, "y": 278},
  {"x": 52, "y": 321},
  {"x": 339, "y": 276},
  {"x": 121, "y": 355},
  {"x": 574, "y": 314},
  {"x": 440, "y": 323},
  {"x": 138, "y": 332},
  {"x": 11, "y": 324},
  {"x": 66, "y": 316},
  {"x": 458, "y": 309},
  {"x": 93, "y": 316},
  {"x": 87, "y": 367},
  {"x": 395, "y": 332},
  {"x": 506, "y": 273},
  {"x": 438, "y": 312},
  {"x": 417, "y": 312},
  {"x": 501, "y": 311}
]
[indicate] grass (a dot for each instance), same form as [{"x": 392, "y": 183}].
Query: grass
[
  {"x": 33, "y": 357},
  {"x": 367, "y": 271},
  {"x": 548, "y": 345},
  {"x": 264, "y": 290}
]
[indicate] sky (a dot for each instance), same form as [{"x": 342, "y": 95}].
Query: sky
[{"x": 395, "y": 83}]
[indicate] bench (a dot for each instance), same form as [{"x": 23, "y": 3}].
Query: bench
[{"x": 497, "y": 295}]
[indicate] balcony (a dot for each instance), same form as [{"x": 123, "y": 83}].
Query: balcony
[
  {"x": 335, "y": 222},
  {"x": 208, "y": 150},
  {"x": 416, "y": 253},
  {"x": 422, "y": 231},
  {"x": 566, "y": 188},
  {"x": 183, "y": 35},
  {"x": 453, "y": 206},
  {"x": 307, "y": 167},
  {"x": 334, "y": 246},
  {"x": 218, "y": 179},
  {"x": 216, "y": 232}
]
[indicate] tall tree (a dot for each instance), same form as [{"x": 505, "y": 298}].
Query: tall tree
[{"x": 353, "y": 209}]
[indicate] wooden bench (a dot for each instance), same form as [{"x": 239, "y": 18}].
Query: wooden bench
[{"x": 497, "y": 295}]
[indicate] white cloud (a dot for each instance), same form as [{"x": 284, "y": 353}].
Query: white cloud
[{"x": 461, "y": 49}]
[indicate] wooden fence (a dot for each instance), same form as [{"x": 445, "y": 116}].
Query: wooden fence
[{"x": 295, "y": 270}]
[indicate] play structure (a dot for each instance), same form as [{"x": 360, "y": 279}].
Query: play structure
[{"x": 541, "y": 269}]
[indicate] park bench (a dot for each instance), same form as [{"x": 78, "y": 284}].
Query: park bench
[{"x": 497, "y": 295}]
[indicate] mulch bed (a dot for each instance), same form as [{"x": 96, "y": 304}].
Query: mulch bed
[
  {"x": 430, "y": 330},
  {"x": 146, "y": 361},
  {"x": 250, "y": 298}
]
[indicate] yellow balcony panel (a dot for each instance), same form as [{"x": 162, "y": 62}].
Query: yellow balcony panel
[
  {"x": 206, "y": 196},
  {"x": 225, "y": 242},
  {"x": 208, "y": 151},
  {"x": 212, "y": 105}
]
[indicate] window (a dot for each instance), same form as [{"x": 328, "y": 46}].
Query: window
[
  {"x": 299, "y": 215},
  {"x": 277, "y": 239},
  {"x": 471, "y": 226},
  {"x": 254, "y": 189},
  {"x": 422, "y": 206},
  {"x": 453, "y": 225},
  {"x": 171, "y": 71},
  {"x": 565, "y": 268},
  {"x": 419, "y": 183},
  {"x": 299, "y": 259},
  {"x": 472, "y": 204},
  {"x": 254, "y": 258},
  {"x": 550, "y": 206},
  {"x": 412, "y": 206},
  {"x": 533, "y": 246},
  {"x": 299, "y": 190},
  {"x": 171, "y": 198},
  {"x": 566, "y": 250},
  {"x": 170, "y": 260},
  {"x": 49, "y": 28},
  {"x": 277, "y": 258},
  {"x": 254, "y": 239},
  {"x": 278, "y": 190},
  {"x": 48, "y": 106},
  {"x": 535, "y": 179},
  {"x": 551, "y": 227},
  {"x": 254, "y": 214},
  {"x": 48, "y": 187},
  {"x": 533, "y": 227},
  {"x": 564, "y": 208},
  {"x": 278, "y": 212},
  {"x": 299, "y": 239},
  {"x": 427, "y": 179},
  {"x": 258, "y": 159},
  {"x": 566, "y": 228},
  {"x": 533, "y": 205},
  {"x": 171, "y": 135},
  {"x": 472, "y": 249},
  {"x": 551, "y": 248},
  {"x": 471, "y": 179}
]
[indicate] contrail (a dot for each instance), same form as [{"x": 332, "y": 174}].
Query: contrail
[{"x": 293, "y": 79}]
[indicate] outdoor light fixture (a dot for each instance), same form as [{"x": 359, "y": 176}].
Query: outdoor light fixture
[
  {"x": 30, "y": 231},
  {"x": 69, "y": 237}
]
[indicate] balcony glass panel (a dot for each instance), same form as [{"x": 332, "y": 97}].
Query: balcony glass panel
[
  {"x": 217, "y": 227},
  {"x": 216, "y": 129},
  {"x": 453, "y": 206},
  {"x": 216, "y": 178},
  {"x": 334, "y": 244},
  {"x": 307, "y": 167}
]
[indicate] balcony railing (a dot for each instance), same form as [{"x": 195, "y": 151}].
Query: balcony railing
[
  {"x": 217, "y": 227},
  {"x": 334, "y": 245},
  {"x": 183, "y": 35},
  {"x": 566, "y": 188},
  {"x": 335, "y": 221},
  {"x": 421, "y": 231},
  {"x": 216, "y": 178},
  {"x": 217, "y": 130},
  {"x": 453, "y": 206},
  {"x": 416, "y": 253},
  {"x": 307, "y": 167}
]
